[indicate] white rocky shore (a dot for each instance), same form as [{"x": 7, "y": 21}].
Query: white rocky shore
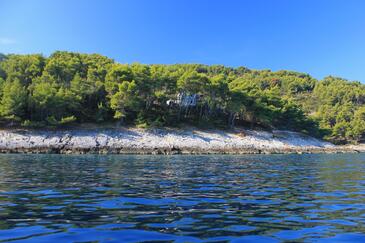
[{"x": 163, "y": 141}]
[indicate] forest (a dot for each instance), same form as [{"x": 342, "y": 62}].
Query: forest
[{"x": 68, "y": 88}]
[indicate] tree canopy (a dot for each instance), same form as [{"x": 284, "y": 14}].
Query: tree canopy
[{"x": 69, "y": 87}]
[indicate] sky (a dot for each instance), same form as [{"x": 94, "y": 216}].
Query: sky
[{"x": 319, "y": 37}]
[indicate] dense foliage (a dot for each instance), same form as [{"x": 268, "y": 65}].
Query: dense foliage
[{"x": 78, "y": 88}]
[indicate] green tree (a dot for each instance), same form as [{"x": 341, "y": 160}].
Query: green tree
[
  {"x": 116, "y": 75},
  {"x": 14, "y": 101},
  {"x": 193, "y": 83},
  {"x": 124, "y": 99},
  {"x": 23, "y": 68}
]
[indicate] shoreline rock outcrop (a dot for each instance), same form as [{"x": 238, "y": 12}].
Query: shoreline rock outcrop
[{"x": 164, "y": 141}]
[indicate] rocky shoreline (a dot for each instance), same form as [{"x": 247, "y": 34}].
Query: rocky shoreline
[{"x": 164, "y": 141}]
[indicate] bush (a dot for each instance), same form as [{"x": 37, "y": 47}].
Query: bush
[{"x": 67, "y": 120}]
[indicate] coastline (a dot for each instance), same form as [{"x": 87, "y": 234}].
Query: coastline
[{"x": 165, "y": 141}]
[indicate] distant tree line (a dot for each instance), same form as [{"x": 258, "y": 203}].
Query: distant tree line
[{"x": 69, "y": 87}]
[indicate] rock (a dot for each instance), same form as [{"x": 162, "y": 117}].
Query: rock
[{"x": 165, "y": 141}]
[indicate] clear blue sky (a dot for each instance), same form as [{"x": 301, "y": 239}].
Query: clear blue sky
[{"x": 319, "y": 37}]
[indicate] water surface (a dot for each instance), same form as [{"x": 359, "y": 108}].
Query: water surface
[{"x": 116, "y": 198}]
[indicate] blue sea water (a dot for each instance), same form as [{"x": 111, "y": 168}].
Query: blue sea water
[{"x": 212, "y": 198}]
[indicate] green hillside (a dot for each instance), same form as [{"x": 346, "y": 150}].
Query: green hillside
[{"x": 68, "y": 88}]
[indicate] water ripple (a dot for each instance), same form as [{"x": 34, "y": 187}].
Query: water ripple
[{"x": 111, "y": 198}]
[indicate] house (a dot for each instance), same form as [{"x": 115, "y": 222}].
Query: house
[{"x": 185, "y": 100}]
